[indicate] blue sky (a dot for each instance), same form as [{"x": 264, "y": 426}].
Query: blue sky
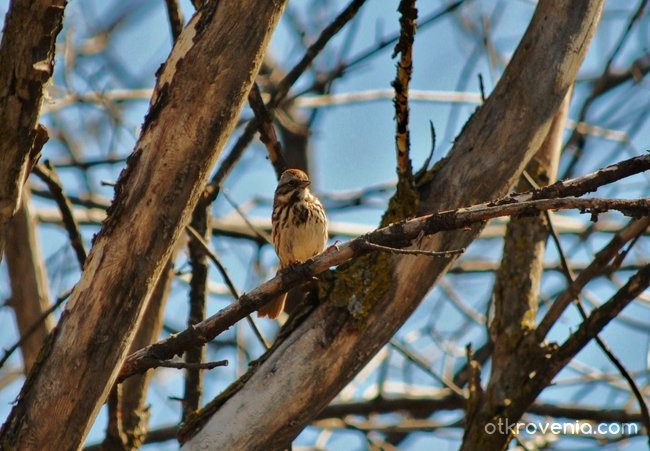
[{"x": 352, "y": 148}]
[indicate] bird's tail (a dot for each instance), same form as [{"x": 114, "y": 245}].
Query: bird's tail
[{"x": 274, "y": 308}]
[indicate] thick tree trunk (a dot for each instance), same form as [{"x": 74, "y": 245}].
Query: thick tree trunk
[
  {"x": 198, "y": 97},
  {"x": 133, "y": 400},
  {"x": 29, "y": 298},
  {"x": 26, "y": 64},
  {"x": 516, "y": 290},
  {"x": 378, "y": 293}
]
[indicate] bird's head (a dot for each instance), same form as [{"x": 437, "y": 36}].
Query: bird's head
[{"x": 292, "y": 181}]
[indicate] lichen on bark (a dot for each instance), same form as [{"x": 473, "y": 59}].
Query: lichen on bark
[{"x": 360, "y": 283}]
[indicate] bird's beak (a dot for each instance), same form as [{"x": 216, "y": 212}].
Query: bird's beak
[{"x": 305, "y": 183}]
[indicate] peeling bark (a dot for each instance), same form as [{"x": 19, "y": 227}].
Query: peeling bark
[
  {"x": 324, "y": 352},
  {"x": 26, "y": 64},
  {"x": 206, "y": 78}
]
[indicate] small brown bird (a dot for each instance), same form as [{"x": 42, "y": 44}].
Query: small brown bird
[{"x": 299, "y": 227}]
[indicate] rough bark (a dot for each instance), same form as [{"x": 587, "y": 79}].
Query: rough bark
[
  {"x": 28, "y": 278},
  {"x": 534, "y": 369},
  {"x": 516, "y": 291},
  {"x": 206, "y": 78},
  {"x": 26, "y": 64},
  {"x": 392, "y": 240},
  {"x": 132, "y": 402},
  {"x": 197, "y": 305},
  {"x": 369, "y": 299},
  {"x": 235, "y": 227}
]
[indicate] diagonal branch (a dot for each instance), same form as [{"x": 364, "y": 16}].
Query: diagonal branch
[
  {"x": 570, "y": 276},
  {"x": 600, "y": 317},
  {"x": 597, "y": 267},
  {"x": 369, "y": 299},
  {"x": 49, "y": 177},
  {"x": 267, "y": 131},
  {"x": 26, "y": 64},
  {"x": 154, "y": 198},
  {"x": 280, "y": 93},
  {"x": 396, "y": 235}
]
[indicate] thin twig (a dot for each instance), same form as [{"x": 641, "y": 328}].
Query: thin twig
[
  {"x": 599, "y": 318},
  {"x": 424, "y": 366},
  {"x": 595, "y": 268},
  {"x": 267, "y": 131},
  {"x": 185, "y": 365},
  {"x": 394, "y": 250},
  {"x": 229, "y": 283},
  {"x": 48, "y": 176},
  {"x": 7, "y": 352},
  {"x": 570, "y": 276},
  {"x": 261, "y": 234},
  {"x": 376, "y": 48}
]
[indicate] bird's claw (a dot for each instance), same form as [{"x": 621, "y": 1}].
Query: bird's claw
[{"x": 335, "y": 245}]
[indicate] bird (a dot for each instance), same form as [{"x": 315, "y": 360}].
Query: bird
[{"x": 299, "y": 228}]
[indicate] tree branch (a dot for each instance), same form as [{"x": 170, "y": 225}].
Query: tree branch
[
  {"x": 197, "y": 303},
  {"x": 49, "y": 177},
  {"x": 600, "y": 317},
  {"x": 398, "y": 234},
  {"x": 154, "y": 198},
  {"x": 29, "y": 283},
  {"x": 404, "y": 47},
  {"x": 176, "y": 20},
  {"x": 267, "y": 131},
  {"x": 369, "y": 299},
  {"x": 597, "y": 267},
  {"x": 281, "y": 91},
  {"x": 26, "y": 64}
]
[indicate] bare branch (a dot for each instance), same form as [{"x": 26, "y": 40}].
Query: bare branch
[
  {"x": 47, "y": 175},
  {"x": 28, "y": 278},
  {"x": 229, "y": 283},
  {"x": 281, "y": 91},
  {"x": 394, "y": 235},
  {"x": 176, "y": 20},
  {"x": 200, "y": 227},
  {"x": 601, "y": 316},
  {"x": 186, "y": 365},
  {"x": 595, "y": 268},
  {"x": 570, "y": 276},
  {"x": 26, "y": 64},
  {"x": 394, "y": 250},
  {"x": 401, "y": 85},
  {"x": 267, "y": 131},
  {"x": 35, "y": 327},
  {"x": 153, "y": 200}
]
